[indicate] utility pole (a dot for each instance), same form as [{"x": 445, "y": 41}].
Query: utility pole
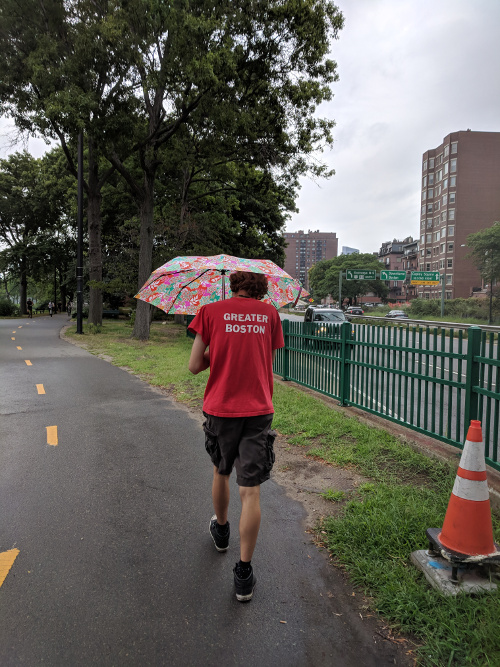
[
  {"x": 340, "y": 290},
  {"x": 442, "y": 295}
]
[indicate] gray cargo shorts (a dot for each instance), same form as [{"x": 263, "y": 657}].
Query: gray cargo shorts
[{"x": 243, "y": 442}]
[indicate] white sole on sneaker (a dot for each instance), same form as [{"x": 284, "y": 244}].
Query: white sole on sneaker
[{"x": 213, "y": 539}]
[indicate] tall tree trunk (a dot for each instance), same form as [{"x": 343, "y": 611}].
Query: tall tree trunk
[
  {"x": 143, "y": 313},
  {"x": 94, "y": 227},
  {"x": 23, "y": 286},
  {"x": 62, "y": 286}
]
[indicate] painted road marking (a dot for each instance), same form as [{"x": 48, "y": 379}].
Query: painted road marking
[
  {"x": 7, "y": 559},
  {"x": 20, "y": 326},
  {"x": 13, "y": 332},
  {"x": 12, "y": 338},
  {"x": 52, "y": 435},
  {"x": 40, "y": 389},
  {"x": 19, "y": 348},
  {"x": 28, "y": 362}
]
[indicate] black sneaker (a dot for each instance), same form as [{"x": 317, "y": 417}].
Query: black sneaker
[
  {"x": 244, "y": 587},
  {"x": 221, "y": 541}
]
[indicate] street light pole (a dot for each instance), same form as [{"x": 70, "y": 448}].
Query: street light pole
[
  {"x": 79, "y": 250},
  {"x": 442, "y": 294},
  {"x": 340, "y": 290}
]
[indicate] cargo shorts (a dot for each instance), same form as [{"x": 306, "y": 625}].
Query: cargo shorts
[{"x": 243, "y": 442}]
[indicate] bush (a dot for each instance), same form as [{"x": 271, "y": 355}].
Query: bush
[
  {"x": 473, "y": 308},
  {"x": 7, "y": 308}
]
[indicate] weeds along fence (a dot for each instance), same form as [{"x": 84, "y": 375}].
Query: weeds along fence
[{"x": 430, "y": 380}]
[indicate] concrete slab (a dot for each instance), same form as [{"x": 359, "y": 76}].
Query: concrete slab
[{"x": 437, "y": 571}]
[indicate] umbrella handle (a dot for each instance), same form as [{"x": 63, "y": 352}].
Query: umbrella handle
[{"x": 298, "y": 297}]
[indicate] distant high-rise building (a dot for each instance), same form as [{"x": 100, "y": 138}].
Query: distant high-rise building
[
  {"x": 349, "y": 251},
  {"x": 460, "y": 196},
  {"x": 304, "y": 250}
]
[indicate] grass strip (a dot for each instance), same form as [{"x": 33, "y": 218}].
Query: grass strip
[{"x": 380, "y": 526}]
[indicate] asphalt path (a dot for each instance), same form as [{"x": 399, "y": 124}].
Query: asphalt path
[{"x": 107, "y": 531}]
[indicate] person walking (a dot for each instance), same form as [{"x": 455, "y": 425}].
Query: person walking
[
  {"x": 237, "y": 339},
  {"x": 51, "y": 307},
  {"x": 29, "y": 304}
]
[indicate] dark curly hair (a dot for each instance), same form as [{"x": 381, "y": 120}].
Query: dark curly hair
[{"x": 255, "y": 284}]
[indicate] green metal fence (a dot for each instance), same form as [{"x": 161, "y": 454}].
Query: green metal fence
[{"x": 430, "y": 380}]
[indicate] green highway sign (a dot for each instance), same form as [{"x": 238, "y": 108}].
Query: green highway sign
[
  {"x": 393, "y": 275},
  {"x": 425, "y": 278},
  {"x": 360, "y": 274}
]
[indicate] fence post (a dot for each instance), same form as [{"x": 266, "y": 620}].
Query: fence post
[
  {"x": 286, "y": 351},
  {"x": 472, "y": 375},
  {"x": 345, "y": 367}
]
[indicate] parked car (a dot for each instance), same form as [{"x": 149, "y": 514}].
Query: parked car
[
  {"x": 354, "y": 310},
  {"x": 397, "y": 314}
]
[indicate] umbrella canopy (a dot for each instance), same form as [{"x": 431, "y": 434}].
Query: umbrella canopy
[{"x": 185, "y": 284}]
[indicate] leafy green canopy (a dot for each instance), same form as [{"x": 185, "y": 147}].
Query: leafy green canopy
[{"x": 324, "y": 277}]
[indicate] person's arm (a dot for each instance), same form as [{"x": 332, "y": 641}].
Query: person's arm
[
  {"x": 200, "y": 356},
  {"x": 274, "y": 355}
]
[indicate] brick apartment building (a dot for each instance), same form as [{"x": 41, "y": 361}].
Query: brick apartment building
[
  {"x": 304, "y": 250},
  {"x": 460, "y": 196},
  {"x": 399, "y": 256}
]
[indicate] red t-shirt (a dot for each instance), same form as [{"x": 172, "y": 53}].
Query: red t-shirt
[{"x": 242, "y": 334}]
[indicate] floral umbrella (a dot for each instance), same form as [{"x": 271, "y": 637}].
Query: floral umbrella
[{"x": 185, "y": 284}]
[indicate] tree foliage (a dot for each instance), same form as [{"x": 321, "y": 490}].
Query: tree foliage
[
  {"x": 485, "y": 254},
  {"x": 324, "y": 277}
]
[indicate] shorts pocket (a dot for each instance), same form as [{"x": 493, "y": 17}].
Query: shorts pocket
[
  {"x": 271, "y": 457},
  {"x": 212, "y": 445}
]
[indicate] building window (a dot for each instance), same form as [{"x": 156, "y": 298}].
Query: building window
[
  {"x": 428, "y": 266},
  {"x": 449, "y": 279},
  {"x": 429, "y": 238},
  {"x": 452, "y": 197},
  {"x": 443, "y": 216},
  {"x": 437, "y": 236},
  {"x": 449, "y": 263},
  {"x": 451, "y": 214},
  {"x": 431, "y": 163},
  {"x": 445, "y": 200},
  {"x": 422, "y": 253},
  {"x": 429, "y": 208},
  {"x": 436, "y": 206},
  {"x": 441, "y": 263},
  {"x": 435, "y": 250},
  {"x": 439, "y": 176},
  {"x": 438, "y": 190},
  {"x": 424, "y": 195},
  {"x": 431, "y": 179},
  {"x": 422, "y": 239},
  {"x": 430, "y": 193},
  {"x": 422, "y": 212},
  {"x": 453, "y": 181},
  {"x": 450, "y": 247},
  {"x": 427, "y": 295},
  {"x": 448, "y": 295},
  {"x": 424, "y": 182},
  {"x": 453, "y": 146},
  {"x": 445, "y": 184},
  {"x": 429, "y": 223},
  {"x": 428, "y": 252},
  {"x": 453, "y": 165},
  {"x": 441, "y": 249},
  {"x": 446, "y": 150}
]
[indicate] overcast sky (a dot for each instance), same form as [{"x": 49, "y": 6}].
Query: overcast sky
[{"x": 411, "y": 72}]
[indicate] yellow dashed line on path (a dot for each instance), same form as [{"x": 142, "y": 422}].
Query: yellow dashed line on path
[
  {"x": 40, "y": 389},
  {"x": 28, "y": 362},
  {"x": 19, "y": 348},
  {"x": 13, "y": 332},
  {"x": 20, "y": 326},
  {"x": 12, "y": 338},
  {"x": 7, "y": 559},
  {"x": 52, "y": 435}
]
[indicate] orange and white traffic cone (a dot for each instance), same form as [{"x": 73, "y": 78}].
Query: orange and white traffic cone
[{"x": 467, "y": 527}]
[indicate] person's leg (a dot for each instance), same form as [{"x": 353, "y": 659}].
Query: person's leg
[
  {"x": 249, "y": 521},
  {"x": 220, "y": 496}
]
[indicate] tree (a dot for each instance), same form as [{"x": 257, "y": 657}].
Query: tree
[
  {"x": 248, "y": 74},
  {"x": 324, "y": 277},
  {"x": 485, "y": 254}
]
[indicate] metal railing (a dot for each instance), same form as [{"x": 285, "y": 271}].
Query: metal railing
[{"x": 432, "y": 381}]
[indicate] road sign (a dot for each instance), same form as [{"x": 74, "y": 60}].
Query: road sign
[
  {"x": 393, "y": 275},
  {"x": 360, "y": 274},
  {"x": 425, "y": 278}
]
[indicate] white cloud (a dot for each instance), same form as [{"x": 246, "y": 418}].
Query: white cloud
[{"x": 410, "y": 73}]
